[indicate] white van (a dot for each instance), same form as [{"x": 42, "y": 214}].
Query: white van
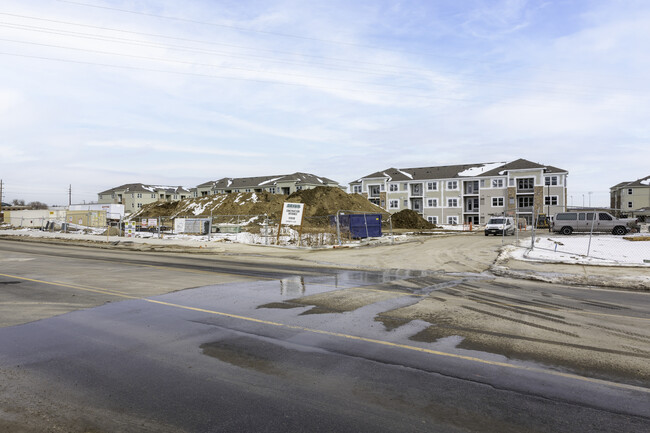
[
  {"x": 500, "y": 226},
  {"x": 569, "y": 222}
]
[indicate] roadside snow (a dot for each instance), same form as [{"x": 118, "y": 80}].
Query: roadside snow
[{"x": 604, "y": 250}]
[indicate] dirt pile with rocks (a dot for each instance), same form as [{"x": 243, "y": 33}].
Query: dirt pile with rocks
[
  {"x": 410, "y": 219},
  {"x": 319, "y": 203}
]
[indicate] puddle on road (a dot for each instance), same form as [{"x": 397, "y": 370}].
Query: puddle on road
[
  {"x": 351, "y": 299},
  {"x": 243, "y": 354}
]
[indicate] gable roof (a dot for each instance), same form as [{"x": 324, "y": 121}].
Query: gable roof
[
  {"x": 140, "y": 187},
  {"x": 643, "y": 182},
  {"x": 459, "y": 171},
  {"x": 268, "y": 181}
]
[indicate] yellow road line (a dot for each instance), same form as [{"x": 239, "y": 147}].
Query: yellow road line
[{"x": 354, "y": 337}]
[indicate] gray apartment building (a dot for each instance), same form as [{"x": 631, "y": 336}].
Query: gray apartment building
[{"x": 468, "y": 193}]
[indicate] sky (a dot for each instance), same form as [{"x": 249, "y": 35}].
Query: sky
[{"x": 97, "y": 93}]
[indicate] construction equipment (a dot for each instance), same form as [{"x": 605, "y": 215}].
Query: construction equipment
[{"x": 543, "y": 222}]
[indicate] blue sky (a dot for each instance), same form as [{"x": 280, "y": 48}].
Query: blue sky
[{"x": 97, "y": 93}]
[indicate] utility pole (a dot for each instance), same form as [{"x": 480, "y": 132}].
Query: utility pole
[
  {"x": 1, "y": 219},
  {"x": 70, "y": 195}
]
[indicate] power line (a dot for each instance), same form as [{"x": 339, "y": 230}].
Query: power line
[
  {"x": 158, "y": 35},
  {"x": 310, "y": 86},
  {"x": 346, "y": 68},
  {"x": 160, "y": 59},
  {"x": 263, "y": 32},
  {"x": 196, "y": 74}
]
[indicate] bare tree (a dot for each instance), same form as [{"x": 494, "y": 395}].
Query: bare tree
[
  {"x": 17, "y": 202},
  {"x": 37, "y": 205}
]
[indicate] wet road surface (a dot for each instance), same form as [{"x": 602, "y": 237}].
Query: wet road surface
[{"x": 289, "y": 348}]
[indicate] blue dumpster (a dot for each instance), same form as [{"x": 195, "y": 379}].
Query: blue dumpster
[{"x": 359, "y": 225}]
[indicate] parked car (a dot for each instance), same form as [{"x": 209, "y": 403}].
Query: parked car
[
  {"x": 500, "y": 226},
  {"x": 569, "y": 222}
]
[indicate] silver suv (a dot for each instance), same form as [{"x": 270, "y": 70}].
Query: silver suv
[{"x": 569, "y": 222}]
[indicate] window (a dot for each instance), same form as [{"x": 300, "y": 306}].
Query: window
[
  {"x": 525, "y": 201},
  {"x": 453, "y": 220},
  {"x": 604, "y": 216},
  {"x": 405, "y": 186},
  {"x": 432, "y": 202},
  {"x": 139, "y": 195},
  {"x": 497, "y": 183},
  {"x": 482, "y": 183},
  {"x": 355, "y": 189},
  {"x": 272, "y": 189},
  {"x": 526, "y": 183},
  {"x": 153, "y": 195},
  {"x": 550, "y": 200},
  {"x": 298, "y": 188},
  {"x": 432, "y": 219},
  {"x": 393, "y": 187},
  {"x": 452, "y": 202},
  {"x": 374, "y": 190},
  {"x": 497, "y": 202},
  {"x": 452, "y": 184},
  {"x": 382, "y": 187},
  {"x": 432, "y": 186},
  {"x": 550, "y": 180},
  {"x": 406, "y": 204},
  {"x": 393, "y": 204},
  {"x": 629, "y": 204},
  {"x": 139, "y": 205},
  {"x": 629, "y": 191}
]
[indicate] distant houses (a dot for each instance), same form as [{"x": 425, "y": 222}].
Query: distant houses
[
  {"x": 453, "y": 194},
  {"x": 281, "y": 184},
  {"x": 632, "y": 197},
  {"x": 135, "y": 195}
]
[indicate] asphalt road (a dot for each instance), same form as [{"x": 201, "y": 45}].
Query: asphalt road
[{"x": 103, "y": 341}]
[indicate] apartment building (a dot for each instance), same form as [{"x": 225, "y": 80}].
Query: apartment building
[
  {"x": 632, "y": 197},
  {"x": 135, "y": 195},
  {"x": 281, "y": 184},
  {"x": 468, "y": 193}
]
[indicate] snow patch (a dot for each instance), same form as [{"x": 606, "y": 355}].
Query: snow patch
[
  {"x": 484, "y": 168},
  {"x": 409, "y": 175}
]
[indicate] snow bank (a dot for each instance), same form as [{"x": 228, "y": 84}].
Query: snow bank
[{"x": 606, "y": 250}]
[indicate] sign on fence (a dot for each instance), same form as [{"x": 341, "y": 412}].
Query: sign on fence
[
  {"x": 292, "y": 214},
  {"x": 129, "y": 229}
]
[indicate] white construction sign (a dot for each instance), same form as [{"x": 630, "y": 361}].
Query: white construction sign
[
  {"x": 129, "y": 229},
  {"x": 292, "y": 214}
]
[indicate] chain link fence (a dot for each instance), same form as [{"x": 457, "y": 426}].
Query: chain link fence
[{"x": 316, "y": 231}]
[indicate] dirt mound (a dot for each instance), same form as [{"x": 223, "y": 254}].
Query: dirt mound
[
  {"x": 319, "y": 203},
  {"x": 410, "y": 219}
]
